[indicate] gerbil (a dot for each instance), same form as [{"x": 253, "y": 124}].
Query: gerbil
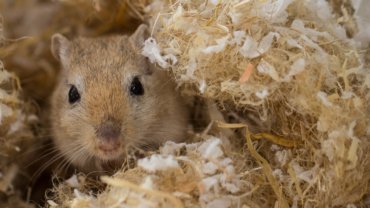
[{"x": 110, "y": 98}]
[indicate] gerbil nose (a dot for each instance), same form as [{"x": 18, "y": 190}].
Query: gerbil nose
[{"x": 108, "y": 134}]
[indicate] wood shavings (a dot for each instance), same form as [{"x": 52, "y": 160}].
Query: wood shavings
[
  {"x": 5, "y": 111},
  {"x": 125, "y": 184},
  {"x": 324, "y": 98},
  {"x": 296, "y": 68},
  {"x": 262, "y": 94},
  {"x": 249, "y": 48},
  {"x": 247, "y": 73},
  {"x": 15, "y": 134},
  {"x": 273, "y": 11},
  {"x": 221, "y": 44},
  {"x": 265, "y": 68},
  {"x": 52, "y": 203},
  {"x": 151, "y": 50},
  {"x": 158, "y": 162},
  {"x": 276, "y": 139},
  {"x": 210, "y": 149},
  {"x": 73, "y": 181},
  {"x": 199, "y": 157},
  {"x": 363, "y": 21},
  {"x": 263, "y": 162}
]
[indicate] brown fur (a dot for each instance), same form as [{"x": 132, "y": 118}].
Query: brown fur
[{"x": 102, "y": 70}]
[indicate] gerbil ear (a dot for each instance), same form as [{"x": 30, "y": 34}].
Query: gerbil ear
[
  {"x": 137, "y": 39},
  {"x": 59, "y": 46}
]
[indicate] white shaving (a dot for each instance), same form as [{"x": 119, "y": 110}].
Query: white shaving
[
  {"x": 305, "y": 175},
  {"x": 202, "y": 86},
  {"x": 158, "y": 162},
  {"x": 266, "y": 68},
  {"x": 148, "y": 183},
  {"x": 313, "y": 45},
  {"x": 211, "y": 149},
  {"x": 249, "y": 48},
  {"x": 283, "y": 156},
  {"x": 219, "y": 203},
  {"x": 79, "y": 194},
  {"x": 262, "y": 94},
  {"x": 320, "y": 8},
  {"x": 209, "y": 168},
  {"x": 152, "y": 51},
  {"x": 52, "y": 203},
  {"x": 5, "y": 111},
  {"x": 220, "y": 46},
  {"x": 238, "y": 37},
  {"x": 293, "y": 43},
  {"x": 324, "y": 99},
  {"x": 170, "y": 59},
  {"x": 313, "y": 34},
  {"x": 18, "y": 124},
  {"x": 5, "y": 75},
  {"x": 230, "y": 187},
  {"x": 171, "y": 148},
  {"x": 273, "y": 11},
  {"x": 296, "y": 68},
  {"x": 73, "y": 182},
  {"x": 266, "y": 42},
  {"x": 347, "y": 95},
  {"x": 362, "y": 17},
  {"x": 210, "y": 182}
]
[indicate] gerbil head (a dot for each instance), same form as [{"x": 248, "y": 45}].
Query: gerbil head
[{"x": 110, "y": 98}]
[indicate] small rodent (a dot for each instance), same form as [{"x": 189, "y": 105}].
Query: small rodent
[{"x": 110, "y": 98}]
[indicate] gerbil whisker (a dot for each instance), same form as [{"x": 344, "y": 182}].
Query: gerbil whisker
[
  {"x": 97, "y": 171},
  {"x": 67, "y": 162},
  {"x": 46, "y": 165},
  {"x": 51, "y": 161},
  {"x": 79, "y": 153},
  {"x": 49, "y": 152},
  {"x": 34, "y": 149},
  {"x": 60, "y": 167}
]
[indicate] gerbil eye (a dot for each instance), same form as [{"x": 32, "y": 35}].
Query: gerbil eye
[
  {"x": 73, "y": 95},
  {"x": 136, "y": 88}
]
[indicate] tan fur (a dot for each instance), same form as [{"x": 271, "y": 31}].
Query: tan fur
[{"x": 102, "y": 70}]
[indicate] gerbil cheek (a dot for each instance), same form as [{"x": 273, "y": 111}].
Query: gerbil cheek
[
  {"x": 72, "y": 124},
  {"x": 67, "y": 123}
]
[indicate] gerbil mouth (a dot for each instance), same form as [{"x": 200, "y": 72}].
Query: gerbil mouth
[
  {"x": 111, "y": 165},
  {"x": 109, "y": 149},
  {"x": 109, "y": 153}
]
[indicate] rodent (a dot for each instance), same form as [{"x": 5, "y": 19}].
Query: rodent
[{"x": 110, "y": 98}]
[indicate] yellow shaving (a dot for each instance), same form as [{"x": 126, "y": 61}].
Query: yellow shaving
[{"x": 263, "y": 162}]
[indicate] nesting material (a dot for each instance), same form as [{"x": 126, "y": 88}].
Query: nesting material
[
  {"x": 179, "y": 175},
  {"x": 287, "y": 63},
  {"x": 15, "y": 134},
  {"x": 310, "y": 82}
]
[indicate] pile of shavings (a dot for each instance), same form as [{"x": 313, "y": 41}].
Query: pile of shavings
[
  {"x": 179, "y": 175},
  {"x": 290, "y": 63},
  {"x": 15, "y": 135}
]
